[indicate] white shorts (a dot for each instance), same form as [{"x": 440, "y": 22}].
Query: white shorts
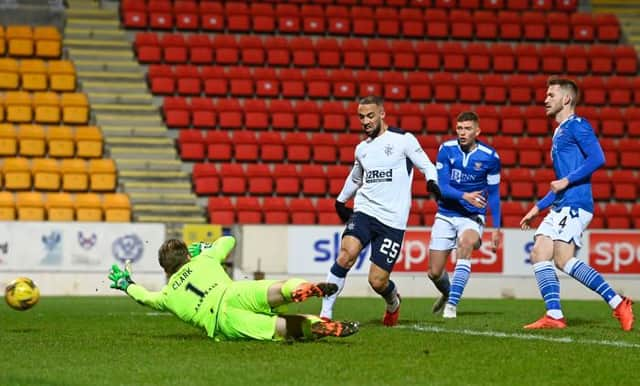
[
  {"x": 445, "y": 231},
  {"x": 566, "y": 225}
]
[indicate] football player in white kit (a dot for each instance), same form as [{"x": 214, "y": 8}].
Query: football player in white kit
[
  {"x": 469, "y": 176},
  {"x": 381, "y": 181}
]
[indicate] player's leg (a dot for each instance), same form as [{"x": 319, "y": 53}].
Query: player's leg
[
  {"x": 545, "y": 274},
  {"x": 310, "y": 327},
  {"x": 439, "y": 276},
  {"x": 443, "y": 241},
  {"x": 297, "y": 290},
  {"x": 565, "y": 251},
  {"x": 468, "y": 241},
  {"x": 385, "y": 249},
  {"x": 354, "y": 238}
]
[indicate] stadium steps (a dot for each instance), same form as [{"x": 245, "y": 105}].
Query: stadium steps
[
  {"x": 628, "y": 13},
  {"x": 149, "y": 169}
]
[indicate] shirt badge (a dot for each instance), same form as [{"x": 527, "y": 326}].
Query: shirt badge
[{"x": 388, "y": 150}]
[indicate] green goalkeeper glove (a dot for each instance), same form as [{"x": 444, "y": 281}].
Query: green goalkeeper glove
[
  {"x": 196, "y": 248},
  {"x": 121, "y": 279}
]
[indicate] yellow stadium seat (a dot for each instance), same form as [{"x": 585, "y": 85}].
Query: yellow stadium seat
[
  {"x": 61, "y": 67},
  {"x": 1, "y": 111},
  {"x": 3, "y": 48},
  {"x": 46, "y": 106},
  {"x": 7, "y": 206},
  {"x": 21, "y": 47},
  {"x": 102, "y": 175},
  {"x": 116, "y": 207},
  {"x": 75, "y": 108},
  {"x": 31, "y": 140},
  {"x": 46, "y": 174},
  {"x": 34, "y": 74},
  {"x": 62, "y": 75},
  {"x": 30, "y": 206},
  {"x": 89, "y": 142},
  {"x": 59, "y": 206},
  {"x": 75, "y": 176},
  {"x": 18, "y": 105},
  {"x": 46, "y": 32},
  {"x": 48, "y": 48},
  {"x": 88, "y": 207},
  {"x": 17, "y": 173},
  {"x": 60, "y": 141},
  {"x": 19, "y": 31},
  {"x": 8, "y": 140},
  {"x": 9, "y": 77}
]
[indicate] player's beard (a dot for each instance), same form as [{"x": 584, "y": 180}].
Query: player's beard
[
  {"x": 374, "y": 133},
  {"x": 553, "y": 110}
]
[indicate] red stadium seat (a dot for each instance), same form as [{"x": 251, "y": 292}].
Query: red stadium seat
[
  {"x": 535, "y": 26},
  {"x": 612, "y": 122},
  {"x": 470, "y": 88},
  {"x": 221, "y": 211},
  {"x": 314, "y": 180},
  {"x": 626, "y": 60},
  {"x": 437, "y": 24},
  {"x": 203, "y": 112},
  {"x": 186, "y": 13},
  {"x": 263, "y": 17},
  {"x": 232, "y": 177},
  {"x": 292, "y": 83},
  {"x": 503, "y": 58},
  {"x": 188, "y": 80},
  {"x": 215, "y": 81},
  {"x": 206, "y": 180},
  {"x": 600, "y": 185},
  {"x": 237, "y": 16},
  {"x": 403, "y": 55},
  {"x": 336, "y": 175},
  {"x": 229, "y": 114},
  {"x": 347, "y": 146},
  {"x": 620, "y": 90},
  {"x": 251, "y": 49},
  {"x": 248, "y": 210},
  {"x": 278, "y": 53},
  {"x": 266, "y": 82},
  {"x": 276, "y": 210},
  {"x": 191, "y": 145},
  {"x": 454, "y": 58},
  {"x": 211, "y": 16},
  {"x": 318, "y": 83},
  {"x": 419, "y": 86},
  {"x": 176, "y": 112},
  {"x": 444, "y": 87},
  {"x": 326, "y": 212},
  {"x": 369, "y": 83},
  {"x": 412, "y": 22},
  {"x": 245, "y": 146},
  {"x": 218, "y": 145},
  {"x": 303, "y": 52},
  {"x": 313, "y": 20},
  {"x": 298, "y": 147},
  {"x": 338, "y": 20},
  {"x": 282, "y": 115},
  {"x": 395, "y": 86},
  {"x": 379, "y": 54},
  {"x": 520, "y": 182},
  {"x": 530, "y": 154},
  {"x": 288, "y": 17},
  {"x": 461, "y": 23},
  {"x": 478, "y": 57},
  {"x": 602, "y": 59},
  {"x": 387, "y": 22},
  {"x": 495, "y": 90},
  {"x": 527, "y": 58},
  {"x": 510, "y": 25},
  {"x": 308, "y": 115},
  {"x": 328, "y": 52},
  {"x": 271, "y": 146},
  {"x": 302, "y": 211},
  {"x": 324, "y": 147},
  {"x": 559, "y": 27},
  {"x": 286, "y": 179},
  {"x": 583, "y": 27},
  {"x": 428, "y": 56},
  {"x": 486, "y": 25},
  {"x": 343, "y": 84},
  {"x": 334, "y": 116},
  {"x": 489, "y": 119},
  {"x": 256, "y": 115},
  {"x": 436, "y": 119},
  {"x": 260, "y": 179},
  {"x": 594, "y": 92},
  {"x": 353, "y": 53}
]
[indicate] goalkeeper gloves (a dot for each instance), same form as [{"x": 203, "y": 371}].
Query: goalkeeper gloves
[
  {"x": 343, "y": 212},
  {"x": 121, "y": 279},
  {"x": 196, "y": 248},
  {"x": 434, "y": 189}
]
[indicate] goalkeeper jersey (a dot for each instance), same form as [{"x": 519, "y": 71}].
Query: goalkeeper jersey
[{"x": 193, "y": 293}]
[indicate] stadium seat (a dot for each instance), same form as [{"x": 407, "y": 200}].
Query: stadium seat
[
  {"x": 419, "y": 86},
  {"x": 256, "y": 114},
  {"x": 534, "y": 25},
  {"x": 266, "y": 83},
  {"x": 470, "y": 88},
  {"x": 286, "y": 179},
  {"x": 46, "y": 174},
  {"x": 276, "y": 210},
  {"x": 30, "y": 206},
  {"x": 18, "y": 106},
  {"x": 116, "y": 207},
  {"x": 353, "y": 53},
  {"x": 602, "y": 59},
  {"x": 292, "y": 83},
  {"x": 583, "y": 27},
  {"x": 264, "y": 17},
  {"x": 626, "y": 60},
  {"x": 191, "y": 145},
  {"x": 260, "y": 179},
  {"x": 512, "y": 120},
  {"x": 88, "y": 207},
  {"x": 188, "y": 80},
  {"x": 186, "y": 15},
  {"x": 437, "y": 119},
  {"x": 624, "y": 184},
  {"x": 619, "y": 89},
  {"x": 229, "y": 114},
  {"x": 33, "y": 74},
  {"x": 205, "y": 178},
  {"x": 46, "y": 107},
  {"x": 520, "y": 183},
  {"x": 102, "y": 175},
  {"x": 428, "y": 56},
  {"x": 17, "y": 174},
  {"x": 233, "y": 179},
  {"x": 89, "y": 142},
  {"x": 75, "y": 177},
  {"x": 478, "y": 58},
  {"x": 313, "y": 20},
  {"x": 558, "y": 26},
  {"x": 240, "y": 82},
  {"x": 221, "y": 211},
  {"x": 437, "y": 23},
  {"x": 395, "y": 86},
  {"x": 600, "y": 185},
  {"x": 59, "y": 206},
  {"x": 326, "y": 212},
  {"x": 31, "y": 140},
  {"x": 318, "y": 84},
  {"x": 62, "y": 75},
  {"x": 7, "y": 206},
  {"x": 530, "y": 154},
  {"x": 278, "y": 53},
  {"x": 298, "y": 147},
  {"x": 412, "y": 22},
  {"x": 8, "y": 140},
  {"x": 75, "y": 108},
  {"x": 302, "y": 211},
  {"x": 9, "y": 76},
  {"x": 453, "y": 57},
  {"x": 211, "y": 16},
  {"x": 336, "y": 175},
  {"x": 251, "y": 50},
  {"x": 248, "y": 210},
  {"x": 245, "y": 146},
  {"x": 271, "y": 146},
  {"x": 527, "y": 58},
  {"x": 308, "y": 116}
]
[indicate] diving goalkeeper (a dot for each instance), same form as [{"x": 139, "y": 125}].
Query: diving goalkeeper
[{"x": 200, "y": 292}]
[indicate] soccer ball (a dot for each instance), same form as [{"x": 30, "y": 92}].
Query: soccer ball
[{"x": 22, "y": 294}]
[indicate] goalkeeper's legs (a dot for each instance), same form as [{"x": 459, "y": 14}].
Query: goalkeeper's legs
[
  {"x": 297, "y": 290},
  {"x": 311, "y": 327}
]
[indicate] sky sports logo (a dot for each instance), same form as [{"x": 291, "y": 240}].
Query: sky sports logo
[{"x": 379, "y": 176}]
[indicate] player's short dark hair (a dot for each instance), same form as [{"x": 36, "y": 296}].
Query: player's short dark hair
[
  {"x": 468, "y": 116},
  {"x": 371, "y": 100},
  {"x": 567, "y": 85},
  {"x": 172, "y": 255}
]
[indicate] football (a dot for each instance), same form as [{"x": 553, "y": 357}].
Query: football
[{"x": 22, "y": 294}]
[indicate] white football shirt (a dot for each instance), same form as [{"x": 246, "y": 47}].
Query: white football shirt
[{"x": 382, "y": 174}]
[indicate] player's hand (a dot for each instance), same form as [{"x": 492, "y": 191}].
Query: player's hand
[
  {"x": 196, "y": 248},
  {"x": 495, "y": 240},
  {"x": 343, "y": 211},
  {"x": 476, "y": 199},
  {"x": 559, "y": 185},
  {"x": 433, "y": 188},
  {"x": 525, "y": 223},
  {"x": 120, "y": 279}
]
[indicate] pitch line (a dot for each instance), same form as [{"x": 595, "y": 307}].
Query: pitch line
[{"x": 498, "y": 334}]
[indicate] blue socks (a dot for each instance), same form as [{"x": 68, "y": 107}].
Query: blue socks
[
  {"x": 549, "y": 286},
  {"x": 459, "y": 281},
  {"x": 591, "y": 278}
]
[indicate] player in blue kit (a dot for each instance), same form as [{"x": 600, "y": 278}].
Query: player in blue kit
[
  {"x": 381, "y": 182},
  {"x": 576, "y": 154},
  {"x": 469, "y": 177}
]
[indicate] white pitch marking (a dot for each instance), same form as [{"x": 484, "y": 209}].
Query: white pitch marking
[{"x": 497, "y": 334}]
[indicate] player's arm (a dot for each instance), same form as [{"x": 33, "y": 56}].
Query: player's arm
[
  {"x": 493, "y": 188},
  {"x": 351, "y": 185},
  {"x": 219, "y": 250},
  {"x": 589, "y": 145},
  {"x": 421, "y": 160},
  {"x": 444, "y": 175},
  {"x": 121, "y": 279}
]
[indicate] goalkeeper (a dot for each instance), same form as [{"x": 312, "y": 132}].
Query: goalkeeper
[{"x": 200, "y": 292}]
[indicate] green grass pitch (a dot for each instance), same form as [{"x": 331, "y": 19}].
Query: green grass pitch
[{"x": 115, "y": 341}]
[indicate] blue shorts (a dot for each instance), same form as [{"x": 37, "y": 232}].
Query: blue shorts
[{"x": 386, "y": 242}]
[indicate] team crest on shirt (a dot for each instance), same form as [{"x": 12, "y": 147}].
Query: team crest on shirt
[
  {"x": 477, "y": 166},
  {"x": 388, "y": 150}
]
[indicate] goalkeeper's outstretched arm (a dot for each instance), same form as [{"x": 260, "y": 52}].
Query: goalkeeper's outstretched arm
[{"x": 121, "y": 279}]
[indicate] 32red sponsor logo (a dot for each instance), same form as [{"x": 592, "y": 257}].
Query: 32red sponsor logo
[
  {"x": 615, "y": 252},
  {"x": 414, "y": 256}
]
